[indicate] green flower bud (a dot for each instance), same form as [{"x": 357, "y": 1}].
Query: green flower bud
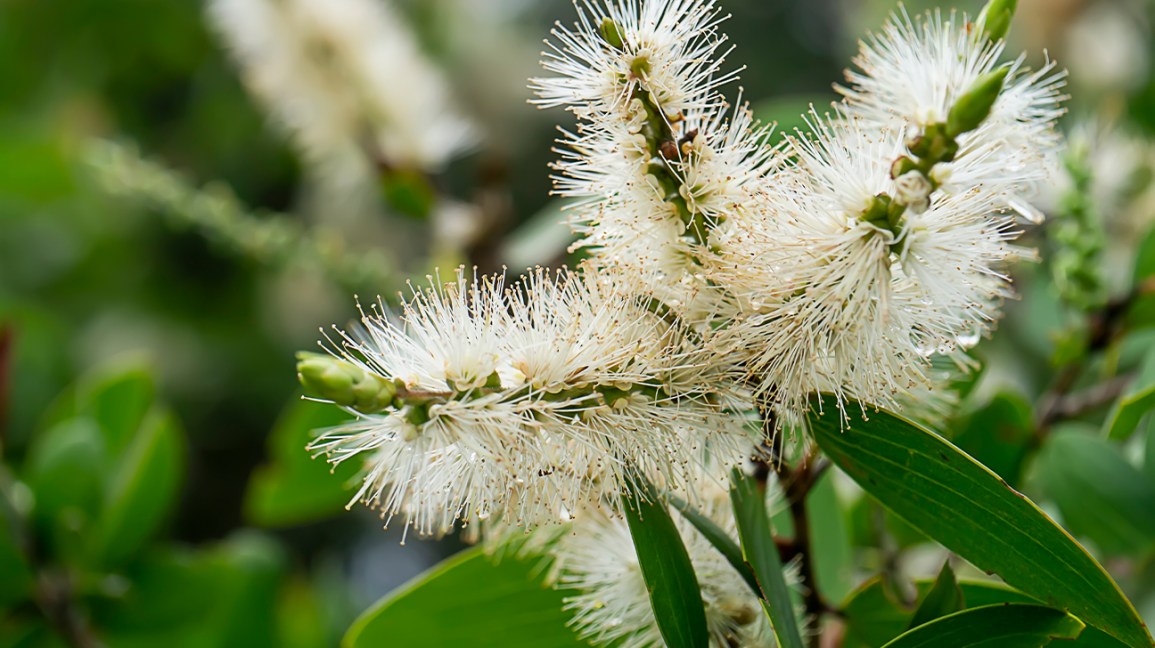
[
  {"x": 612, "y": 33},
  {"x": 903, "y": 166},
  {"x": 344, "y": 383},
  {"x": 975, "y": 105},
  {"x": 883, "y": 212},
  {"x": 996, "y": 18}
]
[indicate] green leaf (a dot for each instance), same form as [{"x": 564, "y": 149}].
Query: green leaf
[
  {"x": 761, "y": 554},
  {"x": 1145, "y": 258},
  {"x": 468, "y": 600},
  {"x": 673, "y": 586},
  {"x": 295, "y": 487},
  {"x": 830, "y": 540},
  {"x": 65, "y": 472},
  {"x": 167, "y": 590},
  {"x": 945, "y": 597},
  {"x": 719, "y": 539},
  {"x": 117, "y": 398},
  {"x": 1094, "y": 638},
  {"x": 1009, "y": 625},
  {"x": 251, "y": 568},
  {"x": 997, "y": 434},
  {"x": 225, "y": 595},
  {"x": 1100, "y": 495},
  {"x": 1149, "y": 449},
  {"x": 971, "y": 511},
  {"x": 140, "y": 490},
  {"x": 1142, "y": 311},
  {"x": 1137, "y": 401},
  {"x": 874, "y": 614}
]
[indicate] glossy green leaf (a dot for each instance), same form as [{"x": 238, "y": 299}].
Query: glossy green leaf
[
  {"x": 295, "y": 488},
  {"x": 719, "y": 539},
  {"x": 1145, "y": 258},
  {"x": 1142, "y": 311},
  {"x": 830, "y": 540},
  {"x": 224, "y": 595},
  {"x": 1093, "y": 638},
  {"x": 1099, "y": 494},
  {"x": 945, "y": 597},
  {"x": 117, "y": 398},
  {"x": 65, "y": 469},
  {"x": 245, "y": 615},
  {"x": 167, "y": 590},
  {"x": 998, "y": 434},
  {"x": 971, "y": 511},
  {"x": 874, "y": 614},
  {"x": 140, "y": 490},
  {"x": 1138, "y": 400},
  {"x": 675, "y": 595},
  {"x": 469, "y": 600},
  {"x": 761, "y": 553},
  {"x": 1008, "y": 625}
]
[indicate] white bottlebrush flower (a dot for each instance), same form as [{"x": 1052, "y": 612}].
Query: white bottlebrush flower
[
  {"x": 658, "y": 161},
  {"x": 840, "y": 302},
  {"x": 911, "y": 74},
  {"x": 596, "y": 558},
  {"x": 346, "y": 78},
  {"x": 526, "y": 403},
  {"x": 665, "y": 48}
]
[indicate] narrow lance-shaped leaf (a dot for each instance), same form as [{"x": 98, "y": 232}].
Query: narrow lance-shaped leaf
[
  {"x": 1131, "y": 406},
  {"x": 961, "y": 504},
  {"x": 760, "y": 552},
  {"x": 944, "y": 598},
  {"x": 675, "y": 594},
  {"x": 874, "y": 615},
  {"x": 830, "y": 540},
  {"x": 1007, "y": 625},
  {"x": 1099, "y": 494},
  {"x": 719, "y": 539},
  {"x": 140, "y": 490},
  {"x": 295, "y": 487}
]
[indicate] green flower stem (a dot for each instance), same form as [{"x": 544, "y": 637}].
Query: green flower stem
[
  {"x": 662, "y": 142},
  {"x": 346, "y": 384}
]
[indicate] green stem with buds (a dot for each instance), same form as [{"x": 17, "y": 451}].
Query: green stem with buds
[{"x": 663, "y": 144}]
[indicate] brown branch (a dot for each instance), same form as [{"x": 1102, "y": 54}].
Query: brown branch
[
  {"x": 796, "y": 484},
  {"x": 54, "y": 597},
  {"x": 1075, "y": 404}
]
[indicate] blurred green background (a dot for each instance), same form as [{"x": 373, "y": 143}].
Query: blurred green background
[{"x": 154, "y": 476}]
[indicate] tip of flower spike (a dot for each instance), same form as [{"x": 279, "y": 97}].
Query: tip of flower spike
[
  {"x": 975, "y": 104},
  {"x": 996, "y": 18},
  {"x": 344, "y": 383}
]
